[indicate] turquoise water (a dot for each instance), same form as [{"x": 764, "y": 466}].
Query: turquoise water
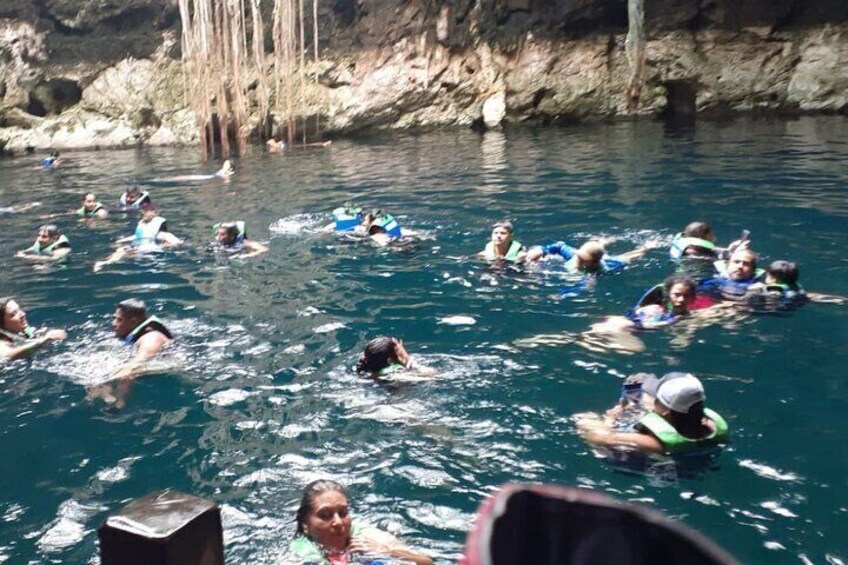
[{"x": 258, "y": 397}]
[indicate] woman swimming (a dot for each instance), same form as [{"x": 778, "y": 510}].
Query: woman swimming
[{"x": 327, "y": 534}]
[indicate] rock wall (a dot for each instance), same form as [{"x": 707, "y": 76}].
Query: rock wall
[{"x": 80, "y": 73}]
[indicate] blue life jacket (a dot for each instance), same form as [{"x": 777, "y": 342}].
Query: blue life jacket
[
  {"x": 346, "y": 218},
  {"x": 387, "y": 223}
]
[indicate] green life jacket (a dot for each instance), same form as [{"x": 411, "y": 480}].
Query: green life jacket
[
  {"x": 157, "y": 324},
  {"x": 36, "y": 248},
  {"x": 393, "y": 368},
  {"x": 681, "y": 243},
  {"x": 310, "y": 553},
  {"x": 672, "y": 439},
  {"x": 511, "y": 253},
  {"x": 83, "y": 213}
]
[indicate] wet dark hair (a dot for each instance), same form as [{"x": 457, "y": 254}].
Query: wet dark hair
[
  {"x": 84, "y": 196},
  {"x": 689, "y": 424},
  {"x": 232, "y": 231},
  {"x": 51, "y": 229},
  {"x": 370, "y": 217},
  {"x": 4, "y": 301},
  {"x": 310, "y": 493},
  {"x": 701, "y": 230},
  {"x": 785, "y": 272},
  {"x": 133, "y": 308},
  {"x": 691, "y": 287},
  {"x": 378, "y": 354}
]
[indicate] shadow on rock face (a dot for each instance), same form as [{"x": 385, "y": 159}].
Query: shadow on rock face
[{"x": 53, "y": 96}]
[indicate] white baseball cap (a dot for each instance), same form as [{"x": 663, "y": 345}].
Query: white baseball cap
[{"x": 681, "y": 393}]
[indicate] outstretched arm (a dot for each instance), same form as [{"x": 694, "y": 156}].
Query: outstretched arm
[
  {"x": 383, "y": 543},
  {"x": 826, "y": 298},
  {"x": 57, "y": 254},
  {"x": 254, "y": 248},
  {"x": 168, "y": 239},
  {"x": 11, "y": 353}
]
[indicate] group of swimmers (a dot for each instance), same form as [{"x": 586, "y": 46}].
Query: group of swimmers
[{"x": 654, "y": 414}]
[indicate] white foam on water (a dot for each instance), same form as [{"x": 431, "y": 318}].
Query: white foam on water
[{"x": 458, "y": 321}]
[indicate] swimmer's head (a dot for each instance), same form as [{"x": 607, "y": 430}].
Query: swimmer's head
[
  {"x": 502, "y": 232},
  {"x": 369, "y": 219},
  {"x": 590, "y": 254},
  {"x": 54, "y": 154},
  {"x": 227, "y": 233},
  {"x": 89, "y": 200},
  {"x": 46, "y": 234},
  {"x": 308, "y": 506},
  {"x": 131, "y": 194},
  {"x": 782, "y": 272},
  {"x": 12, "y": 316},
  {"x": 381, "y": 352},
  {"x": 683, "y": 395},
  {"x": 701, "y": 230},
  {"x": 148, "y": 210},
  {"x": 680, "y": 291},
  {"x": 227, "y": 169},
  {"x": 742, "y": 265},
  {"x": 129, "y": 314}
]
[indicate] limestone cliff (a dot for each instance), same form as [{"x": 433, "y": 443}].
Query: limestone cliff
[{"x": 77, "y": 73}]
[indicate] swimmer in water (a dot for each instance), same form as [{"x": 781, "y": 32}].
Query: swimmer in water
[
  {"x": 780, "y": 283},
  {"x": 666, "y": 308},
  {"x": 151, "y": 234},
  {"x": 386, "y": 357},
  {"x": 226, "y": 171},
  {"x": 678, "y": 420},
  {"x": 146, "y": 334},
  {"x": 327, "y": 533},
  {"x": 383, "y": 229},
  {"x": 618, "y": 333},
  {"x": 698, "y": 240},
  {"x": 132, "y": 199},
  {"x": 52, "y": 161},
  {"x": 18, "y": 339},
  {"x": 589, "y": 258},
  {"x": 232, "y": 238},
  {"x": 91, "y": 208},
  {"x": 50, "y": 245},
  {"x": 734, "y": 276},
  {"x": 278, "y": 145},
  {"x": 18, "y": 209},
  {"x": 502, "y": 246}
]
